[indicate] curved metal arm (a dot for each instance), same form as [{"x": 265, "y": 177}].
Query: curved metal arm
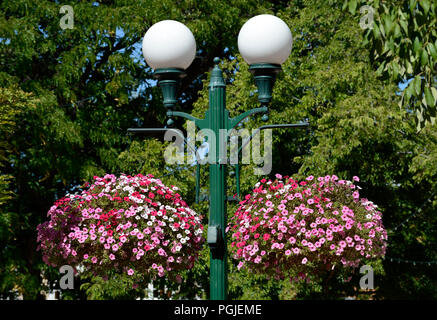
[
  {"x": 273, "y": 126},
  {"x": 183, "y": 115},
  {"x": 190, "y": 145},
  {"x": 268, "y": 126},
  {"x": 235, "y": 121}
]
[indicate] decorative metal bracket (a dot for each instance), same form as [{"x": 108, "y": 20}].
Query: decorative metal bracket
[
  {"x": 193, "y": 148},
  {"x": 269, "y": 126}
]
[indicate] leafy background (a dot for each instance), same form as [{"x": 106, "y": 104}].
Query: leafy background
[{"x": 69, "y": 96}]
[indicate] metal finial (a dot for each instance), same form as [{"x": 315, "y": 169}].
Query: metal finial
[
  {"x": 265, "y": 117},
  {"x": 216, "y": 75}
]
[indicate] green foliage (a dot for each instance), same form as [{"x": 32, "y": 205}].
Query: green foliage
[
  {"x": 119, "y": 287},
  {"x": 91, "y": 84},
  {"x": 13, "y": 104},
  {"x": 403, "y": 45},
  {"x": 356, "y": 128}
]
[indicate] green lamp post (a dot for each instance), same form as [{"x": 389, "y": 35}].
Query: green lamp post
[{"x": 169, "y": 48}]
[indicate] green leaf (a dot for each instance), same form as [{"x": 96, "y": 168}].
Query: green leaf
[
  {"x": 380, "y": 69},
  {"x": 345, "y": 3},
  {"x": 424, "y": 58},
  {"x": 413, "y": 4},
  {"x": 418, "y": 85},
  {"x": 382, "y": 30},
  {"x": 432, "y": 51},
  {"x": 352, "y": 6},
  {"x": 409, "y": 91},
  {"x": 397, "y": 32},
  {"x": 376, "y": 32},
  {"x": 404, "y": 26},
  {"x": 388, "y": 24},
  {"x": 434, "y": 93},
  {"x": 429, "y": 98},
  {"x": 419, "y": 114},
  {"x": 416, "y": 45},
  {"x": 409, "y": 67},
  {"x": 395, "y": 68},
  {"x": 425, "y": 5},
  {"x": 402, "y": 70}
]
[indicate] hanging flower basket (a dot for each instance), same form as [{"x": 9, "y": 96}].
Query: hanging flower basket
[
  {"x": 130, "y": 224},
  {"x": 288, "y": 228}
]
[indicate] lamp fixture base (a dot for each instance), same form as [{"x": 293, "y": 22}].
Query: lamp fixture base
[
  {"x": 169, "y": 80},
  {"x": 265, "y": 76}
]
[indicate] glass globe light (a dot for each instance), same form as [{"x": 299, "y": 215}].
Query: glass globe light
[
  {"x": 265, "y": 39},
  {"x": 169, "y": 44}
]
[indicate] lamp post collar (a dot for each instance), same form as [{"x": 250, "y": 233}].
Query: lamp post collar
[
  {"x": 169, "y": 73},
  {"x": 217, "y": 75}
]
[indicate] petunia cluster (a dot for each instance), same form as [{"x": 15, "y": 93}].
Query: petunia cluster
[
  {"x": 288, "y": 227},
  {"x": 132, "y": 224}
]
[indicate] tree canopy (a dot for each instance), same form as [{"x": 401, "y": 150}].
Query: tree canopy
[
  {"x": 78, "y": 91},
  {"x": 402, "y": 39}
]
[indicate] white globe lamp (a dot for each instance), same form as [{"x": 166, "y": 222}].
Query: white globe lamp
[
  {"x": 169, "y": 44},
  {"x": 265, "y": 39}
]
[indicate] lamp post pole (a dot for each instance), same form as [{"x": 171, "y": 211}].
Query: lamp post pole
[
  {"x": 218, "y": 121},
  {"x": 217, "y": 187},
  {"x": 169, "y": 56}
]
